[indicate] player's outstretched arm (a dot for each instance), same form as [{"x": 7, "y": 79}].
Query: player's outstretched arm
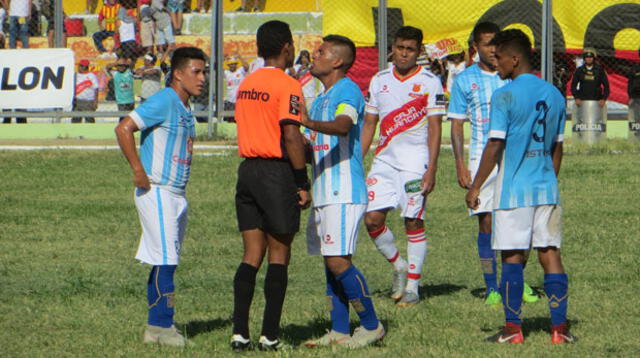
[
  {"x": 490, "y": 156},
  {"x": 368, "y": 131},
  {"x": 294, "y": 145},
  {"x": 556, "y": 154},
  {"x": 457, "y": 143},
  {"x": 433, "y": 142},
  {"x": 126, "y": 141}
]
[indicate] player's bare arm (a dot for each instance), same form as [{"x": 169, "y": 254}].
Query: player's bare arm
[
  {"x": 556, "y": 155},
  {"x": 126, "y": 141},
  {"x": 433, "y": 142},
  {"x": 368, "y": 131},
  {"x": 457, "y": 143},
  {"x": 490, "y": 156},
  {"x": 294, "y": 144},
  {"x": 340, "y": 126}
]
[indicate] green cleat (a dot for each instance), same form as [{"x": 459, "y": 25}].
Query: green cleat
[
  {"x": 528, "y": 295},
  {"x": 494, "y": 298}
]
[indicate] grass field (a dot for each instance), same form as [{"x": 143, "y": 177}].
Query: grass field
[{"x": 69, "y": 231}]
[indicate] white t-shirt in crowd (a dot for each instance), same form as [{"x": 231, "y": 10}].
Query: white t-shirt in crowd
[
  {"x": 86, "y": 86},
  {"x": 233, "y": 80},
  {"x": 19, "y": 8}
]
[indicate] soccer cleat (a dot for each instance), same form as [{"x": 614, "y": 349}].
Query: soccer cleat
[
  {"x": 331, "y": 337},
  {"x": 560, "y": 334},
  {"x": 399, "y": 282},
  {"x": 363, "y": 337},
  {"x": 264, "y": 344},
  {"x": 164, "y": 336},
  {"x": 510, "y": 333},
  {"x": 528, "y": 295},
  {"x": 409, "y": 298},
  {"x": 493, "y": 298},
  {"x": 239, "y": 343}
]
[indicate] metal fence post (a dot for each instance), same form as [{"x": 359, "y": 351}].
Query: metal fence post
[
  {"x": 216, "y": 28},
  {"x": 382, "y": 35},
  {"x": 546, "y": 65}
]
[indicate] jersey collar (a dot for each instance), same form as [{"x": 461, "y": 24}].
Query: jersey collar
[{"x": 393, "y": 70}]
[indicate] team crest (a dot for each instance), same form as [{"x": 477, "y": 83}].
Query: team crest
[{"x": 416, "y": 87}]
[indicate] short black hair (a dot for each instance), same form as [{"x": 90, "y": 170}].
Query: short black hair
[
  {"x": 344, "y": 42},
  {"x": 409, "y": 33},
  {"x": 182, "y": 55},
  {"x": 271, "y": 38},
  {"x": 513, "y": 39},
  {"x": 485, "y": 27}
]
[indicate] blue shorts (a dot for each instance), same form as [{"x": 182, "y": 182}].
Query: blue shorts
[{"x": 175, "y": 6}]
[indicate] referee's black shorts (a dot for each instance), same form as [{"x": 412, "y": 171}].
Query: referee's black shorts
[{"x": 267, "y": 197}]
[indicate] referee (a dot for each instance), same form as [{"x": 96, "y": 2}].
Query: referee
[{"x": 272, "y": 181}]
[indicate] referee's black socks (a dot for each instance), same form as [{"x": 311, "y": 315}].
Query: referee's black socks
[
  {"x": 243, "y": 286},
  {"x": 275, "y": 288}
]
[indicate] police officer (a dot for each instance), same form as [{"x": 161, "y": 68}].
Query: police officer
[{"x": 590, "y": 81}]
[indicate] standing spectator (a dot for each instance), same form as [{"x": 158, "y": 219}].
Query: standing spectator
[
  {"x": 19, "y": 18},
  {"x": 107, "y": 21},
  {"x": 3, "y": 16},
  {"x": 311, "y": 86},
  {"x": 145, "y": 17},
  {"x": 165, "y": 41},
  {"x": 176, "y": 7},
  {"x": 86, "y": 99},
  {"x": 257, "y": 63},
  {"x": 233, "y": 76},
  {"x": 633, "y": 89},
  {"x": 123, "y": 84},
  {"x": 455, "y": 66},
  {"x": 590, "y": 82},
  {"x": 150, "y": 75},
  {"x": 126, "y": 25},
  {"x": 561, "y": 77},
  {"x": 48, "y": 11}
]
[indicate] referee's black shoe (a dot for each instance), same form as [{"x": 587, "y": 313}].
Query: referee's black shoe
[{"x": 240, "y": 344}]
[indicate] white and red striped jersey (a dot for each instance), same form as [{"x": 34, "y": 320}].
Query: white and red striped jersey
[{"x": 403, "y": 106}]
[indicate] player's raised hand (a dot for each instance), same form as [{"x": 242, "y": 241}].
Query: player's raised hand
[
  {"x": 304, "y": 199},
  {"x": 428, "y": 182},
  {"x": 472, "y": 198},
  {"x": 464, "y": 177},
  {"x": 141, "y": 180}
]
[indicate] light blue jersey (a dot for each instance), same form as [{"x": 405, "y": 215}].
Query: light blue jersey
[
  {"x": 338, "y": 174},
  {"x": 471, "y": 100},
  {"x": 529, "y": 114},
  {"x": 166, "y": 143}
]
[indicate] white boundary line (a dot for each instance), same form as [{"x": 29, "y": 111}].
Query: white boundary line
[{"x": 99, "y": 147}]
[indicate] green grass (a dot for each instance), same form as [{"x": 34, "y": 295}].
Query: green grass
[{"x": 71, "y": 287}]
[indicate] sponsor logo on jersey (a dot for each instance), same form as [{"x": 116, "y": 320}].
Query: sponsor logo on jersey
[
  {"x": 440, "y": 100},
  {"x": 319, "y": 147},
  {"x": 400, "y": 120},
  {"x": 385, "y": 89},
  {"x": 371, "y": 181},
  {"x": 294, "y": 104},
  {"x": 327, "y": 240},
  {"x": 474, "y": 86},
  {"x": 253, "y": 95}
]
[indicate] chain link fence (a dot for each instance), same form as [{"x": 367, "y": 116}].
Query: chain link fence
[{"x": 122, "y": 47}]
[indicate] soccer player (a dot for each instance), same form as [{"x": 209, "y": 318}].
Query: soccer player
[
  {"x": 272, "y": 182},
  {"x": 339, "y": 192},
  {"x": 525, "y": 137},
  {"x": 160, "y": 175},
  {"x": 409, "y": 102},
  {"x": 471, "y": 100}
]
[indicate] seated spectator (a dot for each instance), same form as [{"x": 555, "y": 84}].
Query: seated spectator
[
  {"x": 150, "y": 75},
  {"x": 19, "y": 18},
  {"x": 107, "y": 21},
  {"x": 176, "y": 8},
  {"x": 250, "y": 5},
  {"x": 123, "y": 84},
  {"x": 126, "y": 25},
  {"x": 86, "y": 99},
  {"x": 91, "y": 6}
]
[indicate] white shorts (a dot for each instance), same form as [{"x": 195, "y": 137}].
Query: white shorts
[
  {"x": 527, "y": 227},
  {"x": 163, "y": 217},
  {"x": 332, "y": 230},
  {"x": 486, "y": 191},
  {"x": 164, "y": 36},
  {"x": 388, "y": 187}
]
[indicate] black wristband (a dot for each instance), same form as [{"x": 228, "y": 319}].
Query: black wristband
[{"x": 301, "y": 178}]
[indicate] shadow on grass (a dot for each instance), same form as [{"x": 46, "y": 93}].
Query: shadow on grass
[
  {"x": 296, "y": 334},
  {"x": 195, "y": 328},
  {"x": 442, "y": 289}
]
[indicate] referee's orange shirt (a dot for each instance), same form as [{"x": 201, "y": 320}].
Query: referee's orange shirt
[{"x": 266, "y": 99}]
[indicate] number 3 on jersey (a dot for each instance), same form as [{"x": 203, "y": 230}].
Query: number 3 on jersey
[{"x": 541, "y": 123}]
